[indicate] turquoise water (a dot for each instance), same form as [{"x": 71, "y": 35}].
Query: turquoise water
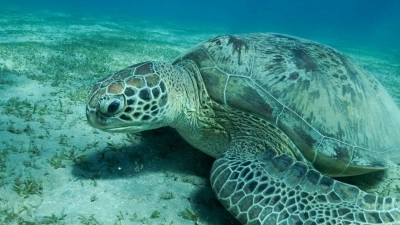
[
  {"x": 365, "y": 21},
  {"x": 56, "y": 169},
  {"x": 373, "y": 26}
]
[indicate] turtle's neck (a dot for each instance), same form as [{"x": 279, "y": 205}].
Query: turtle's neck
[
  {"x": 183, "y": 96},
  {"x": 195, "y": 120}
]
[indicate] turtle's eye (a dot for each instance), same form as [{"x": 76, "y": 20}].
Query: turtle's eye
[{"x": 111, "y": 105}]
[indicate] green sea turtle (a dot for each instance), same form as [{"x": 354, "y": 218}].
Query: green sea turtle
[{"x": 281, "y": 115}]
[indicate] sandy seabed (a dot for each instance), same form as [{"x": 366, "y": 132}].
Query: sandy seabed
[{"x": 56, "y": 169}]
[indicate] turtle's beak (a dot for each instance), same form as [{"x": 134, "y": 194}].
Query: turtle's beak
[
  {"x": 91, "y": 117},
  {"x": 110, "y": 124},
  {"x": 94, "y": 119}
]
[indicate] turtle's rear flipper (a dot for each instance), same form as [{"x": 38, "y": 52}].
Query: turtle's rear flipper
[{"x": 276, "y": 189}]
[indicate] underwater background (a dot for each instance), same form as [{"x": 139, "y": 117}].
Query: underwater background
[
  {"x": 56, "y": 169},
  {"x": 366, "y": 21}
]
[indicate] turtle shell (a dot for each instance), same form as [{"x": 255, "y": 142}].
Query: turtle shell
[{"x": 338, "y": 115}]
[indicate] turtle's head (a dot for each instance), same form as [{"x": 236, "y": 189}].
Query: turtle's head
[{"x": 131, "y": 100}]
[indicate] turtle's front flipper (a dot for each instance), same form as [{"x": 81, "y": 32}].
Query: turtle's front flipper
[{"x": 276, "y": 189}]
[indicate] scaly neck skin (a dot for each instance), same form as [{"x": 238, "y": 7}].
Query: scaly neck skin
[
  {"x": 183, "y": 96},
  {"x": 194, "y": 121}
]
